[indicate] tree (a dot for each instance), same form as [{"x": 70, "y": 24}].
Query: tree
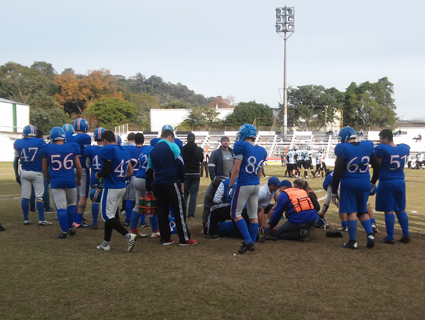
[
  {"x": 228, "y": 102},
  {"x": 312, "y": 106},
  {"x": 112, "y": 112},
  {"x": 202, "y": 116},
  {"x": 175, "y": 105},
  {"x": 246, "y": 112},
  {"x": 70, "y": 94},
  {"x": 144, "y": 103},
  {"x": 370, "y": 104},
  {"x": 47, "y": 119},
  {"x": 26, "y": 85},
  {"x": 45, "y": 68}
]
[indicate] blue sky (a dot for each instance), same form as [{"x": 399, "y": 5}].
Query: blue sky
[{"x": 226, "y": 47}]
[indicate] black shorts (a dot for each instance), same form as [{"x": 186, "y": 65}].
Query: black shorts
[
  {"x": 307, "y": 164},
  {"x": 300, "y": 163}
]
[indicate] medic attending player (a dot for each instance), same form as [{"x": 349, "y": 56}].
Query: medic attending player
[
  {"x": 27, "y": 152},
  {"x": 92, "y": 154},
  {"x": 249, "y": 160},
  {"x": 81, "y": 126},
  {"x": 352, "y": 170},
  {"x": 391, "y": 193},
  {"x": 59, "y": 161}
]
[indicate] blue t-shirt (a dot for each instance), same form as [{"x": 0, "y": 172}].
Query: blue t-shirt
[
  {"x": 92, "y": 153},
  {"x": 357, "y": 158},
  {"x": 28, "y": 150},
  {"x": 135, "y": 153},
  {"x": 253, "y": 158},
  {"x": 83, "y": 140},
  {"x": 328, "y": 181},
  {"x": 143, "y": 161},
  {"x": 393, "y": 160},
  {"x": 60, "y": 158},
  {"x": 120, "y": 158}
]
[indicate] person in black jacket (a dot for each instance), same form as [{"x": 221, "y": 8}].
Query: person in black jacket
[
  {"x": 221, "y": 160},
  {"x": 192, "y": 157}
]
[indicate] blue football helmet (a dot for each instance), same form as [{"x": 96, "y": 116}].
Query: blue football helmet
[
  {"x": 118, "y": 140},
  {"x": 246, "y": 131},
  {"x": 96, "y": 193},
  {"x": 98, "y": 133},
  {"x": 68, "y": 128},
  {"x": 81, "y": 125},
  {"x": 57, "y": 133},
  {"x": 346, "y": 134},
  {"x": 29, "y": 131}
]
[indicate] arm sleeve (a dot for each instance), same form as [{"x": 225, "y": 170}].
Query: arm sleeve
[
  {"x": 339, "y": 168},
  {"x": 16, "y": 165},
  {"x": 106, "y": 169},
  {"x": 328, "y": 198},
  {"x": 278, "y": 211},
  {"x": 376, "y": 167},
  {"x": 218, "y": 196},
  {"x": 313, "y": 199}
]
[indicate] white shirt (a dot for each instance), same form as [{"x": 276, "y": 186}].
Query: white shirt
[{"x": 265, "y": 196}]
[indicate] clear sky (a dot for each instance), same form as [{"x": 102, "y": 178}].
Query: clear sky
[{"x": 227, "y": 47}]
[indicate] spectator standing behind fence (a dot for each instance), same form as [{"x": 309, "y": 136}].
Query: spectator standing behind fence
[
  {"x": 221, "y": 160},
  {"x": 192, "y": 157}
]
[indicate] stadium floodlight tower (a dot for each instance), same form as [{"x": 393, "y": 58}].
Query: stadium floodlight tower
[{"x": 285, "y": 24}]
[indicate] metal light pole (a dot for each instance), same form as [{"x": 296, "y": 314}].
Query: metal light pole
[{"x": 285, "y": 17}]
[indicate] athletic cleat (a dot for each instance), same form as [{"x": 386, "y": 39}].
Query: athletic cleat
[
  {"x": 44, "y": 223},
  {"x": 144, "y": 225},
  {"x": 63, "y": 235},
  {"x": 262, "y": 237},
  {"x": 131, "y": 242},
  {"x": 405, "y": 239},
  {"x": 2, "y": 228},
  {"x": 245, "y": 247},
  {"x": 123, "y": 212},
  {"x": 189, "y": 242},
  {"x": 104, "y": 248},
  {"x": 138, "y": 233},
  {"x": 94, "y": 227},
  {"x": 351, "y": 244},
  {"x": 334, "y": 234},
  {"x": 32, "y": 210},
  {"x": 27, "y": 222},
  {"x": 343, "y": 228},
  {"x": 48, "y": 210},
  {"x": 155, "y": 234},
  {"x": 387, "y": 241},
  {"x": 370, "y": 240},
  {"x": 126, "y": 223},
  {"x": 212, "y": 236},
  {"x": 167, "y": 243},
  {"x": 72, "y": 232},
  {"x": 305, "y": 235},
  {"x": 374, "y": 228}
]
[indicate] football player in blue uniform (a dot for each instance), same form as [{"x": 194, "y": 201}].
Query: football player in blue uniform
[
  {"x": 59, "y": 161},
  {"x": 69, "y": 130},
  {"x": 27, "y": 152},
  {"x": 116, "y": 167},
  {"x": 249, "y": 160},
  {"x": 139, "y": 185},
  {"x": 80, "y": 137},
  {"x": 352, "y": 169},
  {"x": 391, "y": 193},
  {"x": 93, "y": 161}
]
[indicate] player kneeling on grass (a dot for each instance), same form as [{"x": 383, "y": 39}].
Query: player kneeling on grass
[
  {"x": 391, "y": 194},
  {"x": 300, "y": 212},
  {"x": 114, "y": 171},
  {"x": 59, "y": 160}
]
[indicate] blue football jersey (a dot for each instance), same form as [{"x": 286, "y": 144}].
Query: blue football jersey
[
  {"x": 60, "y": 158},
  {"x": 393, "y": 160},
  {"x": 120, "y": 159},
  {"x": 328, "y": 181},
  {"x": 83, "y": 140},
  {"x": 28, "y": 150},
  {"x": 357, "y": 159},
  {"x": 92, "y": 153},
  {"x": 135, "y": 153},
  {"x": 143, "y": 161},
  {"x": 253, "y": 158}
]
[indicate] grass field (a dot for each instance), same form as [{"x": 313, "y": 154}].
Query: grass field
[{"x": 46, "y": 278}]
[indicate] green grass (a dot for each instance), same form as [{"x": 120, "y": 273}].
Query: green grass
[{"x": 46, "y": 278}]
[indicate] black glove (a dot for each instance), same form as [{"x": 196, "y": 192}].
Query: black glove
[{"x": 18, "y": 179}]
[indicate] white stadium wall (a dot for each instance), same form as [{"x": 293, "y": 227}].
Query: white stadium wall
[{"x": 174, "y": 117}]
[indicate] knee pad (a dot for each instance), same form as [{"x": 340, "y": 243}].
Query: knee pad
[{"x": 359, "y": 214}]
